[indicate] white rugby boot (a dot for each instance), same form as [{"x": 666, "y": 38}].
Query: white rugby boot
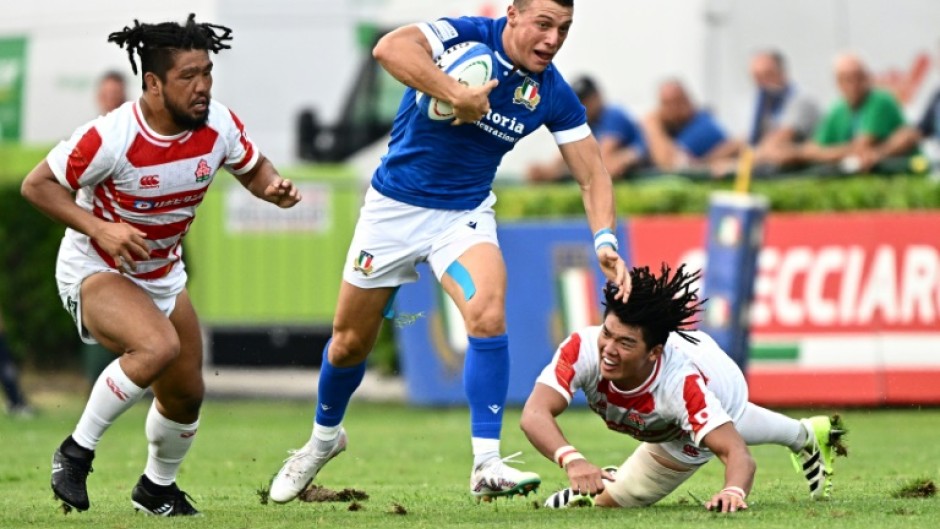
[
  {"x": 494, "y": 478},
  {"x": 301, "y": 467}
]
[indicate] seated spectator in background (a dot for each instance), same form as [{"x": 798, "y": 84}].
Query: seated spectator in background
[
  {"x": 863, "y": 127},
  {"x": 618, "y": 136},
  {"x": 682, "y": 137},
  {"x": 784, "y": 117},
  {"x": 112, "y": 91}
]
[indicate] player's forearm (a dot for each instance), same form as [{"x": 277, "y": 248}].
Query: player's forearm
[
  {"x": 259, "y": 178},
  {"x": 599, "y": 207},
  {"x": 542, "y": 431},
  {"x": 739, "y": 471},
  {"x": 405, "y": 54}
]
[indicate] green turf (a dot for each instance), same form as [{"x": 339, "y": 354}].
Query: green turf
[{"x": 419, "y": 459}]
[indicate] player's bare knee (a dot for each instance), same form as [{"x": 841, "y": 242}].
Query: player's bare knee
[
  {"x": 348, "y": 349},
  {"x": 485, "y": 320},
  {"x": 158, "y": 353}
]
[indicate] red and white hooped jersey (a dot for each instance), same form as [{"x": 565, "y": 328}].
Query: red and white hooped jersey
[
  {"x": 694, "y": 388},
  {"x": 123, "y": 171}
]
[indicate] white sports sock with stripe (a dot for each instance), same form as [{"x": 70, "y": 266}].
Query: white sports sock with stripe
[
  {"x": 111, "y": 395},
  {"x": 169, "y": 443}
]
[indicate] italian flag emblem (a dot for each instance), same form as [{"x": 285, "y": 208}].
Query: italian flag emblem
[{"x": 527, "y": 94}]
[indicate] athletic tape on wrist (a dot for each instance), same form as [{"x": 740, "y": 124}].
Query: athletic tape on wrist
[
  {"x": 605, "y": 237},
  {"x": 568, "y": 458},
  {"x": 737, "y": 491},
  {"x": 562, "y": 452}
]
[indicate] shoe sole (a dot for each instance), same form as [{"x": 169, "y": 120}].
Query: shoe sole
[
  {"x": 523, "y": 488},
  {"x": 67, "y": 506}
]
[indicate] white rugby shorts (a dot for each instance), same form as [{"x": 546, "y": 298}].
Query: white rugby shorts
[
  {"x": 392, "y": 237},
  {"x": 74, "y": 265}
]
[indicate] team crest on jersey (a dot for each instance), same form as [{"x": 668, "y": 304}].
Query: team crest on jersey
[
  {"x": 203, "y": 171},
  {"x": 363, "y": 263},
  {"x": 636, "y": 419},
  {"x": 527, "y": 94}
]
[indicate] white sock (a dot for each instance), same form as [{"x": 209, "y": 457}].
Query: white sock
[
  {"x": 324, "y": 437},
  {"x": 169, "y": 443},
  {"x": 484, "y": 449},
  {"x": 111, "y": 395},
  {"x": 762, "y": 426}
]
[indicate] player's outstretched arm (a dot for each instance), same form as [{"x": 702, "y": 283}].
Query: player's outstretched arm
[
  {"x": 264, "y": 182},
  {"x": 729, "y": 446},
  {"x": 597, "y": 191},
  {"x": 539, "y": 425}
]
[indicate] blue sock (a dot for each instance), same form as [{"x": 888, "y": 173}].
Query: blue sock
[
  {"x": 486, "y": 382},
  {"x": 336, "y": 387}
]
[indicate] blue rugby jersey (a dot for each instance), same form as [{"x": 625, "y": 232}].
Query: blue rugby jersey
[{"x": 434, "y": 164}]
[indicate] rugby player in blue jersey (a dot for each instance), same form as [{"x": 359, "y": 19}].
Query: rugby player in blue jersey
[{"x": 431, "y": 200}]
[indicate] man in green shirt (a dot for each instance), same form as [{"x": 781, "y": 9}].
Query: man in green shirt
[{"x": 864, "y": 127}]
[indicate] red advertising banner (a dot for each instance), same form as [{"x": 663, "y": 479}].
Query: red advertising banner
[{"x": 854, "y": 298}]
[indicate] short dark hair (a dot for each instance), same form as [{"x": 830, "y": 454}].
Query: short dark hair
[
  {"x": 156, "y": 44},
  {"x": 522, "y": 4},
  {"x": 658, "y": 305}
]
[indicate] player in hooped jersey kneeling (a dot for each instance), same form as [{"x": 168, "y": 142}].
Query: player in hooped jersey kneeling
[
  {"x": 675, "y": 390},
  {"x": 139, "y": 173}
]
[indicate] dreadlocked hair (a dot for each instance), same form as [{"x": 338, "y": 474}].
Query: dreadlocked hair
[
  {"x": 156, "y": 44},
  {"x": 658, "y": 305}
]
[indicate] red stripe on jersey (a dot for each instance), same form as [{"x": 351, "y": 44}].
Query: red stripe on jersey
[
  {"x": 103, "y": 254},
  {"x": 156, "y": 232},
  {"x": 564, "y": 369},
  {"x": 243, "y": 138},
  {"x": 159, "y": 204},
  {"x": 162, "y": 253},
  {"x": 144, "y": 153},
  {"x": 694, "y": 399},
  {"x": 107, "y": 202},
  {"x": 158, "y": 273},
  {"x": 81, "y": 156},
  {"x": 642, "y": 402}
]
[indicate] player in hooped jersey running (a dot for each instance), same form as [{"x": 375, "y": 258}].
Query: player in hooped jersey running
[
  {"x": 677, "y": 392},
  {"x": 431, "y": 200},
  {"x": 139, "y": 173}
]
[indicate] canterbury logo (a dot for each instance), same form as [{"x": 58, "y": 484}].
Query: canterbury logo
[
  {"x": 187, "y": 435},
  {"x": 118, "y": 392},
  {"x": 494, "y": 408},
  {"x": 149, "y": 182}
]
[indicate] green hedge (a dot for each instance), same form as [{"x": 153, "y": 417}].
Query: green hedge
[
  {"x": 40, "y": 330},
  {"x": 672, "y": 195}
]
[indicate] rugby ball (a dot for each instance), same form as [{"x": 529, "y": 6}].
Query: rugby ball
[{"x": 471, "y": 63}]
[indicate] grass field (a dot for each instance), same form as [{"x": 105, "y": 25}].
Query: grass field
[{"x": 419, "y": 459}]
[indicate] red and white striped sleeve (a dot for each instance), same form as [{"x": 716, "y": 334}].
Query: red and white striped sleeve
[
  {"x": 568, "y": 368},
  {"x": 242, "y": 155},
  {"x": 700, "y": 411},
  {"x": 83, "y": 160}
]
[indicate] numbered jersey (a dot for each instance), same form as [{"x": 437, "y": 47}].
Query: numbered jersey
[
  {"x": 123, "y": 171},
  {"x": 694, "y": 388}
]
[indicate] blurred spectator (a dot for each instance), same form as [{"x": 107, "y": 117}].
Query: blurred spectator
[
  {"x": 9, "y": 379},
  {"x": 863, "y": 127},
  {"x": 112, "y": 91},
  {"x": 784, "y": 117},
  {"x": 618, "y": 136},
  {"x": 680, "y": 136}
]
